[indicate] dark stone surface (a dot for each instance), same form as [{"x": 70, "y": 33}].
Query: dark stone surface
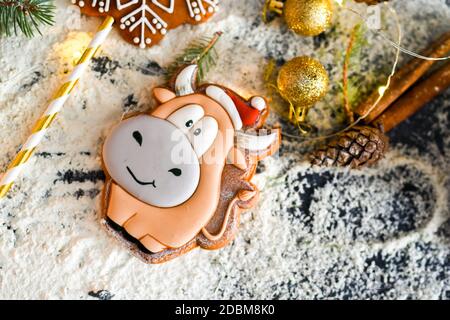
[{"x": 101, "y": 294}]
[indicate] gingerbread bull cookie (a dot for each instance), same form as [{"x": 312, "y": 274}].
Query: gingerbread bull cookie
[
  {"x": 145, "y": 22},
  {"x": 179, "y": 177}
]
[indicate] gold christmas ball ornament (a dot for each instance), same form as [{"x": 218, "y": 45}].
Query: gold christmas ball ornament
[
  {"x": 302, "y": 81},
  {"x": 308, "y": 17}
]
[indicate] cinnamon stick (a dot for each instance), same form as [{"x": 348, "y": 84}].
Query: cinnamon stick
[
  {"x": 415, "y": 98},
  {"x": 404, "y": 79}
]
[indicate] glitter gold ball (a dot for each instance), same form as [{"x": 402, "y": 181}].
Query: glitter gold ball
[
  {"x": 308, "y": 17},
  {"x": 302, "y": 81}
]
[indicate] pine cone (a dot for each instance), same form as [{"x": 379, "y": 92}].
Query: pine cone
[
  {"x": 359, "y": 146},
  {"x": 371, "y": 2}
]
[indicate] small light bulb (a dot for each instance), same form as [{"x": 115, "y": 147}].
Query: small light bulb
[
  {"x": 382, "y": 90},
  {"x": 76, "y": 56}
]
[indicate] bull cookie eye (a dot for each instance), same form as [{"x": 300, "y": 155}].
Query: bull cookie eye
[
  {"x": 138, "y": 137},
  {"x": 197, "y": 131},
  {"x": 186, "y": 117},
  {"x": 176, "y": 172}
]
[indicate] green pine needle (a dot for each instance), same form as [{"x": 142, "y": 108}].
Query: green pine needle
[
  {"x": 25, "y": 15},
  {"x": 354, "y": 60},
  {"x": 202, "y": 52},
  {"x": 358, "y": 44}
]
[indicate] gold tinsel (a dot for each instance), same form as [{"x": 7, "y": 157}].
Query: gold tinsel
[
  {"x": 308, "y": 17},
  {"x": 303, "y": 81}
]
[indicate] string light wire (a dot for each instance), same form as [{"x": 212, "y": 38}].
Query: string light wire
[
  {"x": 387, "y": 39},
  {"x": 381, "y": 90}
]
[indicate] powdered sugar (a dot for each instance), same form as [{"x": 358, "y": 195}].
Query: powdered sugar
[{"x": 374, "y": 233}]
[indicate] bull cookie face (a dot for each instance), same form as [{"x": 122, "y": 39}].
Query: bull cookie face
[
  {"x": 156, "y": 160},
  {"x": 179, "y": 178},
  {"x": 153, "y": 160}
]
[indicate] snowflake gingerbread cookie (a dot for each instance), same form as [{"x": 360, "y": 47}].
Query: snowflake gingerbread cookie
[
  {"x": 145, "y": 22},
  {"x": 180, "y": 176}
]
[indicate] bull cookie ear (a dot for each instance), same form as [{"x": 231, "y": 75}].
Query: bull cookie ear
[{"x": 163, "y": 95}]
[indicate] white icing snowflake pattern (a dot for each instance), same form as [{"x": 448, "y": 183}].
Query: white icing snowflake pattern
[{"x": 145, "y": 18}]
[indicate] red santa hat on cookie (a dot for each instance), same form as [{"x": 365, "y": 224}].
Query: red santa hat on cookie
[{"x": 242, "y": 113}]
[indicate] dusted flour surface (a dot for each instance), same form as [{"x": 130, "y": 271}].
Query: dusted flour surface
[{"x": 378, "y": 233}]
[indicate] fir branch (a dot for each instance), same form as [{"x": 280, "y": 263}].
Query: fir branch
[
  {"x": 25, "y": 15},
  {"x": 352, "y": 54},
  {"x": 201, "y": 52}
]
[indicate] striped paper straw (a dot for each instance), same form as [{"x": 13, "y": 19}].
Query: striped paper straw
[{"x": 40, "y": 128}]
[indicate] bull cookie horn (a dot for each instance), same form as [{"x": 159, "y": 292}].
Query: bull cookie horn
[{"x": 185, "y": 82}]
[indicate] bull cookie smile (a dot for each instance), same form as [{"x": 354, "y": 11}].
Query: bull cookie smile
[{"x": 139, "y": 181}]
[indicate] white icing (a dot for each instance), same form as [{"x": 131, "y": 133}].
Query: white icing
[
  {"x": 186, "y": 117},
  {"x": 203, "y": 134},
  {"x": 194, "y": 5},
  {"x": 200, "y": 7},
  {"x": 225, "y": 101},
  {"x": 121, "y": 6},
  {"x": 145, "y": 17},
  {"x": 168, "y": 9},
  {"x": 255, "y": 142},
  {"x": 164, "y": 147},
  {"x": 103, "y": 6},
  {"x": 185, "y": 79},
  {"x": 258, "y": 103},
  {"x": 201, "y": 131}
]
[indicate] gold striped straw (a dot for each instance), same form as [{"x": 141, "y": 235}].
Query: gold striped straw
[{"x": 40, "y": 128}]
